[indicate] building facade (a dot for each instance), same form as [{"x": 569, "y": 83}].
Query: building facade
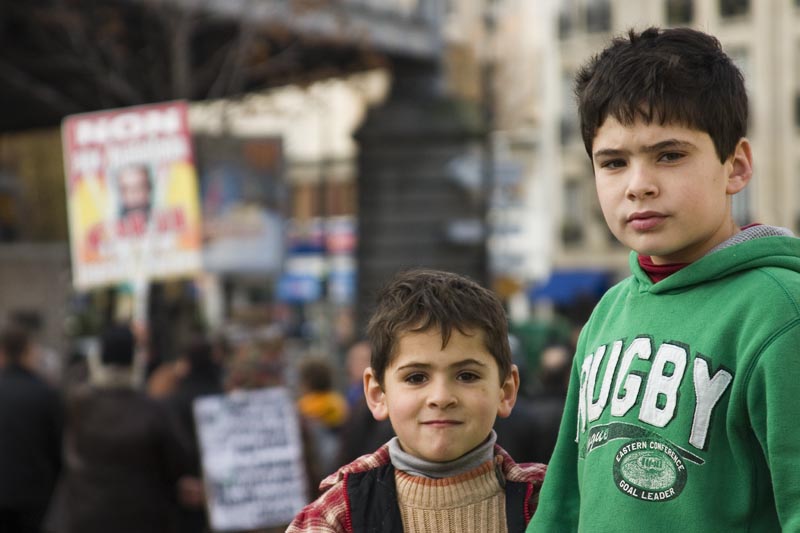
[{"x": 763, "y": 38}]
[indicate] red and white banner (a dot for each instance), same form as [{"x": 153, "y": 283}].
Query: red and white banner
[{"x": 132, "y": 196}]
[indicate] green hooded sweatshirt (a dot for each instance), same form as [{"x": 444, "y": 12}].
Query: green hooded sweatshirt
[{"x": 683, "y": 412}]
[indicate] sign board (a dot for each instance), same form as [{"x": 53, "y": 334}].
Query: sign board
[
  {"x": 243, "y": 197},
  {"x": 132, "y": 198},
  {"x": 252, "y": 458}
]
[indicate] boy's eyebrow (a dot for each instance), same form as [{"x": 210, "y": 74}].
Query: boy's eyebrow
[
  {"x": 457, "y": 364},
  {"x": 667, "y": 144},
  {"x": 648, "y": 149}
]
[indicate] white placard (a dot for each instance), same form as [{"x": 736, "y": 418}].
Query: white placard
[{"x": 252, "y": 458}]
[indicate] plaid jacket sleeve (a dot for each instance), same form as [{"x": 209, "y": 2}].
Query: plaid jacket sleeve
[
  {"x": 532, "y": 473},
  {"x": 327, "y": 514}
]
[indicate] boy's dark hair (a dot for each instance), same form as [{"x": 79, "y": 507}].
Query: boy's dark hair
[
  {"x": 418, "y": 300},
  {"x": 14, "y": 342},
  {"x": 316, "y": 374},
  {"x": 670, "y": 76}
]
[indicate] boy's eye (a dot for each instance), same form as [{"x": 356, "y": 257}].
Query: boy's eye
[
  {"x": 468, "y": 377},
  {"x": 671, "y": 156},
  {"x": 415, "y": 379},
  {"x": 612, "y": 164}
]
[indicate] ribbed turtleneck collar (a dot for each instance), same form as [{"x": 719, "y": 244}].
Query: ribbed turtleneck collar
[{"x": 420, "y": 467}]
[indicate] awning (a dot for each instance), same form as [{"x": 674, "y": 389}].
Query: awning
[{"x": 567, "y": 286}]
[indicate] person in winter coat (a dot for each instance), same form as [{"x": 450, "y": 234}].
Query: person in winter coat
[
  {"x": 199, "y": 375},
  {"x": 441, "y": 372},
  {"x": 682, "y": 408},
  {"x": 123, "y": 456},
  {"x": 323, "y": 411},
  {"x": 31, "y": 423}
]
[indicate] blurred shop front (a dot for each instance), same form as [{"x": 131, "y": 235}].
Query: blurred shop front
[
  {"x": 243, "y": 198},
  {"x": 271, "y": 256}
]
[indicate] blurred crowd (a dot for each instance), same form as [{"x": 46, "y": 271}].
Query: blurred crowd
[{"x": 106, "y": 440}]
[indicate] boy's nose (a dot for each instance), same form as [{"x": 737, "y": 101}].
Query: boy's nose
[
  {"x": 641, "y": 183},
  {"x": 441, "y": 395}
]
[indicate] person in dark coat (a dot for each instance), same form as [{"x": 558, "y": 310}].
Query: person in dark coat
[
  {"x": 30, "y": 436},
  {"x": 361, "y": 434},
  {"x": 123, "y": 456},
  {"x": 201, "y": 376},
  {"x": 530, "y": 433}
]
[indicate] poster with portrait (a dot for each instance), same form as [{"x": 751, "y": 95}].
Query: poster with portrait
[{"x": 132, "y": 195}]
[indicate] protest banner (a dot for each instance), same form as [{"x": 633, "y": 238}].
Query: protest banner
[
  {"x": 252, "y": 458},
  {"x": 132, "y": 198}
]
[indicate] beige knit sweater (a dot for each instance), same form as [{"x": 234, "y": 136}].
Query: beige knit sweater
[{"x": 472, "y": 502}]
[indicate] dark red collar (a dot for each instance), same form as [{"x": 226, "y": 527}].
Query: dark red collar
[{"x": 658, "y": 272}]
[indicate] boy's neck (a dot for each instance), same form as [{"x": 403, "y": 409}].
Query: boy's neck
[{"x": 416, "y": 466}]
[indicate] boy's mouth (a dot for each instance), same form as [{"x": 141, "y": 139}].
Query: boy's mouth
[
  {"x": 441, "y": 423},
  {"x": 645, "y": 220}
]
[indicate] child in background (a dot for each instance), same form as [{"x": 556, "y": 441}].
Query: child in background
[
  {"x": 324, "y": 411},
  {"x": 441, "y": 372},
  {"x": 682, "y": 409}
]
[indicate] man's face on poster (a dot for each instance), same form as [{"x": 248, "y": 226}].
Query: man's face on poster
[{"x": 134, "y": 190}]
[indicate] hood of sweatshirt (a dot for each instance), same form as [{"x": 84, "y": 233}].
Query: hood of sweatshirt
[{"x": 781, "y": 252}]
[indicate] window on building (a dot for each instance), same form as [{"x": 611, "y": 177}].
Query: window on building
[
  {"x": 572, "y": 225},
  {"x": 797, "y": 83},
  {"x": 741, "y": 58},
  {"x": 598, "y": 15},
  {"x": 566, "y": 19},
  {"x": 734, "y": 8},
  {"x": 307, "y": 200},
  {"x": 569, "y": 112},
  {"x": 797, "y": 110},
  {"x": 680, "y": 12},
  {"x": 568, "y": 130}
]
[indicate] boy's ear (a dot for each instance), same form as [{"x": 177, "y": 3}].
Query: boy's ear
[
  {"x": 741, "y": 167},
  {"x": 373, "y": 392},
  {"x": 508, "y": 393}
]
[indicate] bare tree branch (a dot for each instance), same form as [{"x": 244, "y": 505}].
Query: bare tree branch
[
  {"x": 42, "y": 92},
  {"x": 68, "y": 56}
]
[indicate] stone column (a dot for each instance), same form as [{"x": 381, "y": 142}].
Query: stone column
[{"x": 421, "y": 183}]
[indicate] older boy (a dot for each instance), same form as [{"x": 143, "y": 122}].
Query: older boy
[
  {"x": 682, "y": 408},
  {"x": 441, "y": 372}
]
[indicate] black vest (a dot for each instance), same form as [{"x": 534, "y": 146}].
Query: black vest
[{"x": 373, "y": 502}]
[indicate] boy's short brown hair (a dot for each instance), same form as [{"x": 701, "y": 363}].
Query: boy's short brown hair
[
  {"x": 420, "y": 299},
  {"x": 666, "y": 76}
]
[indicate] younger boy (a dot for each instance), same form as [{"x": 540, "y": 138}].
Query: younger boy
[
  {"x": 682, "y": 408},
  {"x": 441, "y": 372}
]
